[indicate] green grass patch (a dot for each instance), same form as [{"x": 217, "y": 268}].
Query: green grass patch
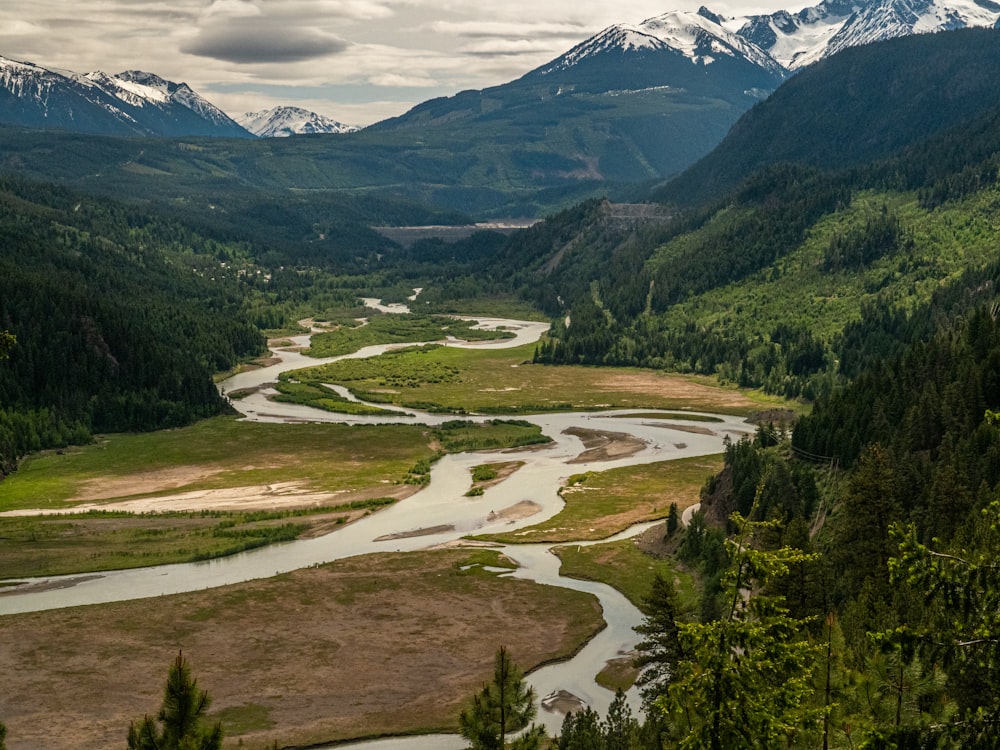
[
  {"x": 623, "y": 566},
  {"x": 484, "y": 473},
  {"x": 618, "y": 674},
  {"x": 397, "y": 329},
  {"x": 459, "y": 436},
  {"x": 513, "y": 308},
  {"x": 503, "y": 381},
  {"x": 216, "y": 454},
  {"x": 600, "y": 504},
  {"x": 320, "y": 397},
  {"x": 46, "y": 546},
  {"x": 478, "y": 561},
  {"x": 58, "y": 545}
]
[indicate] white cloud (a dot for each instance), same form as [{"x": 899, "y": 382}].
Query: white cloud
[
  {"x": 402, "y": 81},
  {"x": 505, "y": 47}
]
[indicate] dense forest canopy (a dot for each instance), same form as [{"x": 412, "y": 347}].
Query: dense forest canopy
[{"x": 120, "y": 318}]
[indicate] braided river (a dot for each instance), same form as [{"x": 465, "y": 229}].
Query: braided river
[{"x": 438, "y": 514}]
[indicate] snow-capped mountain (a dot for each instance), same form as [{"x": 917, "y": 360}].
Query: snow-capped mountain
[
  {"x": 140, "y": 88},
  {"x": 691, "y": 54},
  {"x": 700, "y": 37},
  {"x": 799, "y": 39},
  {"x": 130, "y": 103},
  {"x": 781, "y": 41},
  {"x": 281, "y": 122}
]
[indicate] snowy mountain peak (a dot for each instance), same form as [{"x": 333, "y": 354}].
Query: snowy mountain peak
[
  {"x": 129, "y": 103},
  {"x": 799, "y": 39},
  {"x": 783, "y": 40},
  {"x": 131, "y": 90},
  {"x": 281, "y": 122},
  {"x": 702, "y": 34},
  {"x": 701, "y": 37}
]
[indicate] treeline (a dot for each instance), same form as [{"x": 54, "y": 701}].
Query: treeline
[{"x": 120, "y": 319}]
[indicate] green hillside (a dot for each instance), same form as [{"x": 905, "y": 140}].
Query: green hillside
[
  {"x": 758, "y": 285},
  {"x": 120, "y": 320},
  {"x": 858, "y": 106},
  {"x": 521, "y": 149}
]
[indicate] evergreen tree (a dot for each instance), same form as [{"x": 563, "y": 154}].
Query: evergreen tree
[
  {"x": 582, "y": 731},
  {"x": 961, "y": 625},
  {"x": 621, "y": 730},
  {"x": 673, "y": 520},
  {"x": 505, "y": 705},
  {"x": 3, "y": 737},
  {"x": 181, "y": 716},
  {"x": 745, "y": 681},
  {"x": 660, "y": 650},
  {"x": 7, "y": 342}
]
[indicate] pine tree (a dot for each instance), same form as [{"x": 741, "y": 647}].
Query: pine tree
[
  {"x": 505, "y": 705},
  {"x": 7, "y": 342},
  {"x": 745, "y": 681},
  {"x": 673, "y": 520},
  {"x": 660, "y": 650},
  {"x": 3, "y": 737},
  {"x": 581, "y": 730},
  {"x": 960, "y": 629},
  {"x": 621, "y": 730},
  {"x": 181, "y": 715}
]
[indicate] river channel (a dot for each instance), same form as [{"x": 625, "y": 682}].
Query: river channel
[{"x": 420, "y": 521}]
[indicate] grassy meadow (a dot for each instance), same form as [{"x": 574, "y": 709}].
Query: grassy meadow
[
  {"x": 453, "y": 380},
  {"x": 601, "y": 504},
  {"x": 343, "y": 471}
]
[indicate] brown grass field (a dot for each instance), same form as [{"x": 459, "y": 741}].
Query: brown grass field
[{"x": 378, "y": 644}]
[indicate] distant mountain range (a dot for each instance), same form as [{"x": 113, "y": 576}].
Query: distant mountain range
[
  {"x": 128, "y": 104},
  {"x": 687, "y": 58},
  {"x": 641, "y": 102},
  {"x": 281, "y": 122},
  {"x": 630, "y": 107},
  {"x": 135, "y": 103}
]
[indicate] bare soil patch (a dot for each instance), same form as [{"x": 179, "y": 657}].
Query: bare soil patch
[
  {"x": 370, "y": 645},
  {"x": 602, "y": 445},
  {"x": 693, "y": 429},
  {"x": 157, "y": 480},
  {"x": 274, "y": 496},
  {"x": 516, "y": 512},
  {"x": 675, "y": 387},
  {"x": 441, "y": 529}
]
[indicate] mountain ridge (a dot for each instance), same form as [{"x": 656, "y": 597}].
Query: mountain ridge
[
  {"x": 285, "y": 121},
  {"x": 132, "y": 103}
]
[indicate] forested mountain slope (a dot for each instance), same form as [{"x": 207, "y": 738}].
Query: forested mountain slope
[
  {"x": 759, "y": 284},
  {"x": 120, "y": 320},
  {"x": 862, "y": 104}
]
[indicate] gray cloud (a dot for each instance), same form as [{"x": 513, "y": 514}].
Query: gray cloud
[{"x": 246, "y": 41}]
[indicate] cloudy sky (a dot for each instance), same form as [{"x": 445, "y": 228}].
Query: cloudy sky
[{"x": 358, "y": 61}]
